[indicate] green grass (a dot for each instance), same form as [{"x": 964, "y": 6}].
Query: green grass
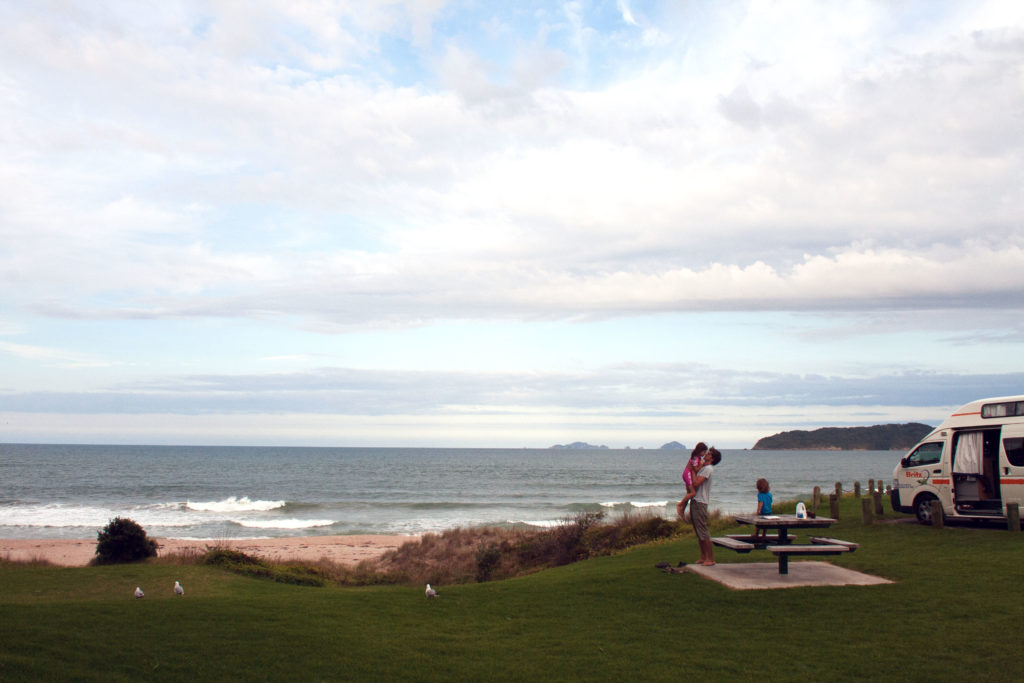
[{"x": 953, "y": 612}]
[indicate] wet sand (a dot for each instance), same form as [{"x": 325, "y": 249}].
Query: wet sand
[{"x": 341, "y": 549}]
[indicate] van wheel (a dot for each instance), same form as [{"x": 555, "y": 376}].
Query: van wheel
[{"x": 923, "y": 508}]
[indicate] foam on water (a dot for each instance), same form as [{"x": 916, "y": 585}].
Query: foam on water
[
  {"x": 635, "y": 504},
  {"x": 282, "y": 523},
  {"x": 57, "y": 515},
  {"x": 543, "y": 523},
  {"x": 233, "y": 504}
]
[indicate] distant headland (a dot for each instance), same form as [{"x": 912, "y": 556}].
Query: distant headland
[{"x": 877, "y": 438}]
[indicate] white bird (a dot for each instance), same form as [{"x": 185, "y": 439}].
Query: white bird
[
  {"x": 138, "y": 592},
  {"x": 431, "y": 593},
  {"x": 178, "y": 590}
]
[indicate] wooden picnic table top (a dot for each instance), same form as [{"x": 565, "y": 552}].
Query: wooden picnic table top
[{"x": 784, "y": 521}]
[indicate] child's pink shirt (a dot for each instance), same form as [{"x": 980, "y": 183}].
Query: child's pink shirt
[{"x": 688, "y": 472}]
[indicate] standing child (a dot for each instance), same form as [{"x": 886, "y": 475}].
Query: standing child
[
  {"x": 764, "y": 501},
  {"x": 689, "y": 474}
]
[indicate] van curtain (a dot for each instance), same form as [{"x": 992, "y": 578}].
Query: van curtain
[{"x": 968, "y": 453}]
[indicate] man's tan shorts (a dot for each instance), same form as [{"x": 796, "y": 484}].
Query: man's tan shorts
[{"x": 699, "y": 519}]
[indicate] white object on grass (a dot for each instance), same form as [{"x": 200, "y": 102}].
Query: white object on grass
[
  {"x": 178, "y": 590},
  {"x": 431, "y": 593},
  {"x": 138, "y": 592}
]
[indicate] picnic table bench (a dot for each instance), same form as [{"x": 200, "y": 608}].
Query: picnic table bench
[
  {"x": 784, "y": 551},
  {"x": 736, "y": 544}
]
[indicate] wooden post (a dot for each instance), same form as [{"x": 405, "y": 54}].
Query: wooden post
[
  {"x": 856, "y": 489},
  {"x": 871, "y": 485},
  {"x": 1013, "y": 516},
  {"x": 865, "y": 511},
  {"x": 881, "y": 487},
  {"x": 816, "y": 498},
  {"x": 833, "y": 506},
  {"x": 937, "y": 514},
  {"x": 877, "y": 497},
  {"x": 839, "y": 488}
]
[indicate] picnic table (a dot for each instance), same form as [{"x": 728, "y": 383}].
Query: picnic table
[{"x": 781, "y": 544}]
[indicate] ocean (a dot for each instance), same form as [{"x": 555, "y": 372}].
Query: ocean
[{"x": 219, "y": 493}]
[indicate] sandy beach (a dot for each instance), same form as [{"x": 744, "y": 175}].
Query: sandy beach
[{"x": 340, "y": 549}]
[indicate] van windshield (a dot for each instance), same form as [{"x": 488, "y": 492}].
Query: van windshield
[{"x": 925, "y": 454}]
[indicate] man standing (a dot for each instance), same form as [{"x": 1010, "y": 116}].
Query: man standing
[{"x": 699, "y": 506}]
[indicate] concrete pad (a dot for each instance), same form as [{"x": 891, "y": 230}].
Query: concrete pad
[{"x": 765, "y": 575}]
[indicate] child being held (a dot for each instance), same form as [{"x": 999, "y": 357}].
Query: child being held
[
  {"x": 764, "y": 500},
  {"x": 689, "y": 474}
]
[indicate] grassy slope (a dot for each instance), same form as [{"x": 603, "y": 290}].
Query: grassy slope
[{"x": 953, "y": 611}]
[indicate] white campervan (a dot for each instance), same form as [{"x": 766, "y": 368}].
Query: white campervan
[{"x": 973, "y": 463}]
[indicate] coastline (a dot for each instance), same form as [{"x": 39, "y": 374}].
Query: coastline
[{"x": 350, "y": 550}]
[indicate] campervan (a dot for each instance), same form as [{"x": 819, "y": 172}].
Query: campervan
[{"x": 973, "y": 463}]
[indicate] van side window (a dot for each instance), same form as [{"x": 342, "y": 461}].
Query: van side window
[
  {"x": 1008, "y": 409},
  {"x": 1014, "y": 451},
  {"x": 925, "y": 454}
]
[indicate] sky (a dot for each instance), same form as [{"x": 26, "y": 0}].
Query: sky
[{"x": 473, "y": 224}]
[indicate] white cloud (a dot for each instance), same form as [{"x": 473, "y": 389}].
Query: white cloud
[{"x": 54, "y": 356}]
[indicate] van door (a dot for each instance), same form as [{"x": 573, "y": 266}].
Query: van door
[
  {"x": 1011, "y": 465},
  {"x": 920, "y": 477},
  {"x": 976, "y": 476}
]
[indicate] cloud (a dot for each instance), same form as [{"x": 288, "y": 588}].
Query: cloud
[
  {"x": 629, "y": 389},
  {"x": 864, "y": 145},
  {"x": 60, "y": 357},
  {"x": 349, "y": 293}
]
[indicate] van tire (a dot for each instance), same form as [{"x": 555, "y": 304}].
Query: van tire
[{"x": 923, "y": 508}]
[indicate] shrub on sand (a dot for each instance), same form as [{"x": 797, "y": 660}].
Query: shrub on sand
[{"x": 123, "y": 540}]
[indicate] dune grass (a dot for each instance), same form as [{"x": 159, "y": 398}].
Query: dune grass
[{"x": 952, "y": 613}]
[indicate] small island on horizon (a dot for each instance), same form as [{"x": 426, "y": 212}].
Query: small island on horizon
[{"x": 584, "y": 446}]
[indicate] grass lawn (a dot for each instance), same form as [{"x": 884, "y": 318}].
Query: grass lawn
[{"x": 953, "y": 612}]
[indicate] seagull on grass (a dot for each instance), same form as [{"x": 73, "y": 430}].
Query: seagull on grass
[
  {"x": 138, "y": 592},
  {"x": 431, "y": 593},
  {"x": 178, "y": 590}
]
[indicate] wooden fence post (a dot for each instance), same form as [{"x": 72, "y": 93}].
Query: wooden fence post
[
  {"x": 816, "y": 498},
  {"x": 937, "y": 520},
  {"x": 856, "y": 489},
  {"x": 865, "y": 511},
  {"x": 1013, "y": 516},
  {"x": 876, "y": 496},
  {"x": 839, "y": 488},
  {"x": 833, "y": 506},
  {"x": 871, "y": 485}
]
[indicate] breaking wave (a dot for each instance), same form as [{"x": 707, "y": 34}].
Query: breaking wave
[{"x": 233, "y": 504}]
